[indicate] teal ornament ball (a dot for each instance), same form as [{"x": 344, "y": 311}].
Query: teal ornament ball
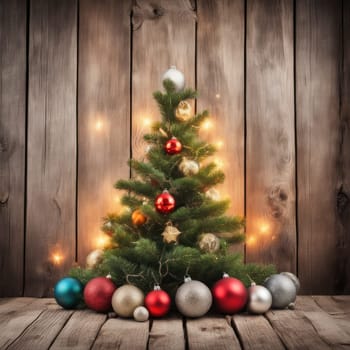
[{"x": 68, "y": 292}]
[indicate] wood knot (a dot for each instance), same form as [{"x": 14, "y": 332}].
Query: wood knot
[
  {"x": 342, "y": 200},
  {"x": 277, "y": 201}
]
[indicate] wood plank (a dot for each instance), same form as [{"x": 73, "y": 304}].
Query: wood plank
[
  {"x": 51, "y": 180},
  {"x": 80, "y": 331},
  {"x": 339, "y": 304},
  {"x": 104, "y": 113},
  {"x": 163, "y": 36},
  {"x": 13, "y": 23},
  {"x": 270, "y": 154},
  {"x": 167, "y": 333},
  {"x": 122, "y": 334},
  {"x": 208, "y": 333},
  {"x": 255, "y": 332},
  {"x": 295, "y": 330},
  {"x": 323, "y": 160},
  {"x": 14, "y": 303},
  {"x": 220, "y": 82}
]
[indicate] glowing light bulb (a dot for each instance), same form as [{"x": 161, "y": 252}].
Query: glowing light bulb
[
  {"x": 219, "y": 163},
  {"x": 98, "y": 125},
  {"x": 264, "y": 228},
  {"x": 219, "y": 144},
  {"x": 117, "y": 199},
  {"x": 147, "y": 121},
  {"x": 208, "y": 124},
  {"x": 217, "y": 96},
  {"x": 102, "y": 241},
  {"x": 57, "y": 258},
  {"x": 251, "y": 240}
]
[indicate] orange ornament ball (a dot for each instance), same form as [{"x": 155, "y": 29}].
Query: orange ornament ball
[{"x": 138, "y": 218}]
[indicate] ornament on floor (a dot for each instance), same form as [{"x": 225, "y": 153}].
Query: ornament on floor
[
  {"x": 213, "y": 194},
  {"x": 188, "y": 167},
  {"x": 294, "y": 279},
  {"x": 170, "y": 234},
  {"x": 158, "y": 302},
  {"x": 141, "y": 314},
  {"x": 68, "y": 292},
  {"x": 165, "y": 202},
  {"x": 229, "y": 294},
  {"x": 98, "y": 294},
  {"x": 173, "y": 146},
  {"x": 176, "y": 77},
  {"x": 183, "y": 111},
  {"x": 209, "y": 243},
  {"x": 138, "y": 218},
  {"x": 260, "y": 299},
  {"x": 126, "y": 299},
  {"x": 282, "y": 289},
  {"x": 94, "y": 258},
  {"x": 193, "y": 298}
]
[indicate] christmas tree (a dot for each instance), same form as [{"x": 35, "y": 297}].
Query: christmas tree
[{"x": 175, "y": 224}]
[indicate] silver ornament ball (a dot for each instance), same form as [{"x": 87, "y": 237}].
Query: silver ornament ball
[
  {"x": 94, "y": 258},
  {"x": 126, "y": 299},
  {"x": 188, "y": 167},
  {"x": 260, "y": 299},
  {"x": 193, "y": 298},
  {"x": 282, "y": 289},
  {"x": 176, "y": 77},
  {"x": 141, "y": 314},
  {"x": 294, "y": 279}
]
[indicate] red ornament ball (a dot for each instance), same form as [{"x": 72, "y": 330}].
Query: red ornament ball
[
  {"x": 230, "y": 295},
  {"x": 165, "y": 202},
  {"x": 98, "y": 294},
  {"x": 173, "y": 146},
  {"x": 158, "y": 302}
]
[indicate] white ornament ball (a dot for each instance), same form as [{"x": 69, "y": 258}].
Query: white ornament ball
[
  {"x": 126, "y": 299},
  {"x": 209, "y": 243},
  {"x": 294, "y": 279},
  {"x": 176, "y": 77},
  {"x": 94, "y": 258},
  {"x": 141, "y": 314},
  {"x": 193, "y": 298},
  {"x": 188, "y": 167},
  {"x": 213, "y": 194},
  {"x": 260, "y": 299}
]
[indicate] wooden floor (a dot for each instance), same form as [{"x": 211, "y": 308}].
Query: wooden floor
[{"x": 319, "y": 322}]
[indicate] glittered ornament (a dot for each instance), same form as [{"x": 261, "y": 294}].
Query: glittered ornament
[
  {"x": 176, "y": 77},
  {"x": 170, "y": 234},
  {"x": 94, "y": 258},
  {"x": 173, "y": 146},
  {"x": 158, "y": 302},
  {"x": 188, "y": 167},
  {"x": 213, "y": 194},
  {"x": 165, "y": 202},
  {"x": 126, "y": 299},
  {"x": 98, "y": 294},
  {"x": 260, "y": 299},
  {"x": 183, "y": 111},
  {"x": 193, "y": 298},
  {"x": 282, "y": 289},
  {"x": 138, "y": 218},
  {"x": 230, "y": 295},
  {"x": 68, "y": 292},
  {"x": 141, "y": 314},
  {"x": 294, "y": 279},
  {"x": 209, "y": 243}
]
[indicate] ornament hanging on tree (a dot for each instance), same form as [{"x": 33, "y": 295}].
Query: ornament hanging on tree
[
  {"x": 176, "y": 77},
  {"x": 98, "y": 294},
  {"x": 165, "y": 202},
  {"x": 170, "y": 234},
  {"x": 260, "y": 299},
  {"x": 94, "y": 258},
  {"x": 188, "y": 167},
  {"x": 108, "y": 228},
  {"x": 141, "y": 314},
  {"x": 230, "y": 295},
  {"x": 138, "y": 218},
  {"x": 68, "y": 292},
  {"x": 183, "y": 111},
  {"x": 158, "y": 302},
  {"x": 209, "y": 243},
  {"x": 294, "y": 279},
  {"x": 213, "y": 194},
  {"x": 126, "y": 299},
  {"x": 193, "y": 298},
  {"x": 282, "y": 289},
  {"x": 173, "y": 146}
]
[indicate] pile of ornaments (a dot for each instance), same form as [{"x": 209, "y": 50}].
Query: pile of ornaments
[{"x": 193, "y": 298}]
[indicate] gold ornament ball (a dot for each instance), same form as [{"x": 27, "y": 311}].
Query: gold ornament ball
[
  {"x": 183, "y": 111},
  {"x": 94, "y": 258},
  {"x": 189, "y": 167},
  {"x": 126, "y": 299},
  {"x": 209, "y": 243},
  {"x": 138, "y": 218},
  {"x": 141, "y": 314},
  {"x": 170, "y": 234},
  {"x": 213, "y": 194}
]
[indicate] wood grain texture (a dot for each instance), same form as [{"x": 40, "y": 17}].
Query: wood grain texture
[
  {"x": 80, "y": 331},
  {"x": 163, "y": 36},
  {"x": 103, "y": 113},
  {"x": 122, "y": 334},
  {"x": 220, "y": 82},
  {"x": 255, "y": 332},
  {"x": 323, "y": 160},
  {"x": 51, "y": 181},
  {"x": 13, "y": 22},
  {"x": 208, "y": 333},
  {"x": 270, "y": 163},
  {"x": 167, "y": 333}
]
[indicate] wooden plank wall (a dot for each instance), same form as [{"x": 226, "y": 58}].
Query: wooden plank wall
[{"x": 76, "y": 83}]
